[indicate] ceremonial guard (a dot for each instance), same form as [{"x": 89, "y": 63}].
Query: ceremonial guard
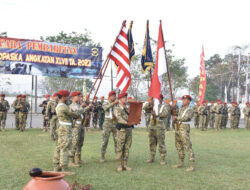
[
  {"x": 157, "y": 132},
  {"x": 218, "y": 109},
  {"x": 202, "y": 110},
  {"x": 246, "y": 112},
  {"x": 4, "y": 108},
  {"x": 95, "y": 112},
  {"x": 101, "y": 113},
  {"x": 109, "y": 125},
  {"x": 224, "y": 116},
  {"x": 45, "y": 119},
  {"x": 52, "y": 117},
  {"x": 196, "y": 115},
  {"x": 17, "y": 110},
  {"x": 167, "y": 119},
  {"x": 212, "y": 115},
  {"x": 174, "y": 111},
  {"x": 208, "y": 114},
  {"x": 235, "y": 115},
  {"x": 147, "y": 109},
  {"x": 182, "y": 134},
  {"x": 24, "y": 107}
]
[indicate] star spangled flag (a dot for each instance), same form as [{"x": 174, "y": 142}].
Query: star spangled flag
[
  {"x": 147, "y": 58},
  {"x": 131, "y": 42},
  {"x": 120, "y": 55}
]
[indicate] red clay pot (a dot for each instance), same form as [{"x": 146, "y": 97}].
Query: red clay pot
[{"x": 48, "y": 181}]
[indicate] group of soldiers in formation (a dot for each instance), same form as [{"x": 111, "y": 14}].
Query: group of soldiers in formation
[{"x": 68, "y": 119}]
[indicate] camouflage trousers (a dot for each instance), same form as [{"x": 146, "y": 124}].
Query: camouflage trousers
[
  {"x": 224, "y": 121},
  {"x": 166, "y": 122},
  {"x": 107, "y": 130},
  {"x": 247, "y": 122},
  {"x": 53, "y": 122},
  {"x": 157, "y": 136},
  {"x": 211, "y": 120},
  {"x": 94, "y": 119},
  {"x": 3, "y": 117},
  {"x": 234, "y": 122},
  {"x": 45, "y": 123},
  {"x": 63, "y": 147},
  {"x": 124, "y": 141},
  {"x": 101, "y": 117},
  {"x": 203, "y": 120},
  {"x": 196, "y": 120},
  {"x": 22, "y": 120},
  {"x": 17, "y": 120},
  {"x": 207, "y": 120},
  {"x": 147, "y": 119},
  {"x": 217, "y": 121},
  {"x": 182, "y": 141},
  {"x": 77, "y": 141}
]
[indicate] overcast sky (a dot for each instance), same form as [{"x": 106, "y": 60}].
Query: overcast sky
[{"x": 189, "y": 24}]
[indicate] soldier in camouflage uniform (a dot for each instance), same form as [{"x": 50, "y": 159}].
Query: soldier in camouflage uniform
[
  {"x": 202, "y": 110},
  {"x": 174, "y": 111},
  {"x": 167, "y": 119},
  {"x": 208, "y": 114},
  {"x": 224, "y": 116},
  {"x": 212, "y": 115},
  {"x": 77, "y": 129},
  {"x": 246, "y": 112},
  {"x": 182, "y": 134},
  {"x": 44, "y": 106},
  {"x": 64, "y": 143},
  {"x": 124, "y": 133},
  {"x": 196, "y": 115},
  {"x": 4, "y": 108},
  {"x": 95, "y": 112},
  {"x": 51, "y": 116},
  {"x": 147, "y": 109},
  {"x": 109, "y": 123},
  {"x": 235, "y": 116},
  {"x": 16, "y": 112},
  {"x": 101, "y": 113},
  {"x": 218, "y": 115},
  {"x": 87, "y": 115},
  {"x": 157, "y": 132},
  {"x": 24, "y": 107}
]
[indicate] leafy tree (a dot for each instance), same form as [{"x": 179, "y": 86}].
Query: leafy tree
[{"x": 3, "y": 34}]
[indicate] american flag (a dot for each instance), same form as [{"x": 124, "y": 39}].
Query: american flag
[{"x": 120, "y": 55}]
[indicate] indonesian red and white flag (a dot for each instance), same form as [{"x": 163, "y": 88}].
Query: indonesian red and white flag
[
  {"x": 120, "y": 55},
  {"x": 160, "y": 68}
]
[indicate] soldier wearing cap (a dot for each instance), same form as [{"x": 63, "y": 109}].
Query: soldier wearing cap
[
  {"x": 182, "y": 134},
  {"x": 101, "y": 112},
  {"x": 124, "y": 133},
  {"x": 50, "y": 115},
  {"x": 218, "y": 109},
  {"x": 77, "y": 129},
  {"x": 174, "y": 111},
  {"x": 246, "y": 112},
  {"x": 24, "y": 107},
  {"x": 109, "y": 125},
  {"x": 157, "y": 132},
  {"x": 87, "y": 115},
  {"x": 235, "y": 116},
  {"x": 44, "y": 106},
  {"x": 196, "y": 115},
  {"x": 212, "y": 115},
  {"x": 16, "y": 111},
  {"x": 4, "y": 108},
  {"x": 202, "y": 110},
  {"x": 64, "y": 143},
  {"x": 224, "y": 116},
  {"x": 208, "y": 114},
  {"x": 147, "y": 109}
]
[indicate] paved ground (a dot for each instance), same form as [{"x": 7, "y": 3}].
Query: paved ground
[{"x": 37, "y": 121}]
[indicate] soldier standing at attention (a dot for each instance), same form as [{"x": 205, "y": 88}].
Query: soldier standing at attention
[
  {"x": 16, "y": 111},
  {"x": 124, "y": 133},
  {"x": 196, "y": 115},
  {"x": 51, "y": 116},
  {"x": 147, "y": 108},
  {"x": 24, "y": 107},
  {"x": 44, "y": 105},
  {"x": 95, "y": 112},
  {"x": 77, "y": 130},
  {"x": 174, "y": 107},
  {"x": 208, "y": 114},
  {"x": 235, "y": 115},
  {"x": 101, "y": 113},
  {"x": 109, "y": 124},
  {"x": 157, "y": 132},
  {"x": 202, "y": 110},
  {"x": 63, "y": 147},
  {"x": 182, "y": 134},
  {"x": 167, "y": 120},
  {"x": 246, "y": 112},
  {"x": 212, "y": 115},
  {"x": 218, "y": 113},
  {"x": 4, "y": 108},
  {"x": 224, "y": 116}
]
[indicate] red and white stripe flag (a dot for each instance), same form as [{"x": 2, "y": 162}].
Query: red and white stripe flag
[{"x": 120, "y": 55}]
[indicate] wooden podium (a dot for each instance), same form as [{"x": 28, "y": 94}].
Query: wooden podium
[{"x": 135, "y": 110}]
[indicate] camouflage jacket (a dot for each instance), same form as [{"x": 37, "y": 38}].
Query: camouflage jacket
[
  {"x": 157, "y": 121},
  {"x": 121, "y": 113},
  {"x": 195, "y": 108},
  {"x": 24, "y": 106},
  {"x": 51, "y": 109},
  {"x": 65, "y": 116},
  {"x": 76, "y": 108},
  {"x": 211, "y": 108},
  {"x": 203, "y": 110},
  {"x": 109, "y": 107},
  {"x": 147, "y": 108},
  {"x": 185, "y": 115},
  {"x": 14, "y": 105},
  {"x": 4, "y": 106},
  {"x": 176, "y": 109},
  {"x": 235, "y": 111},
  {"x": 246, "y": 111},
  {"x": 218, "y": 109},
  {"x": 225, "y": 110}
]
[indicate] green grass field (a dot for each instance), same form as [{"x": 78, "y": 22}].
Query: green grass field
[{"x": 222, "y": 161}]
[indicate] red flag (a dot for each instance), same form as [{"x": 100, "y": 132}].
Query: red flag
[
  {"x": 203, "y": 80},
  {"x": 160, "y": 68}
]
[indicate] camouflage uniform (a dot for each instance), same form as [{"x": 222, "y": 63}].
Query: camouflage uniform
[
  {"x": 208, "y": 116},
  {"x": 44, "y": 104},
  {"x": 176, "y": 109},
  {"x": 218, "y": 116},
  {"x": 53, "y": 121},
  {"x": 202, "y": 110},
  {"x": 212, "y": 115},
  {"x": 16, "y": 112},
  {"x": 235, "y": 117},
  {"x": 224, "y": 117},
  {"x": 147, "y": 108},
  {"x": 157, "y": 133},
  {"x": 108, "y": 127},
  {"x": 196, "y": 116},
  {"x": 64, "y": 143},
  {"x": 101, "y": 114},
  {"x": 246, "y": 112},
  {"x": 24, "y": 107},
  {"x": 95, "y": 114},
  {"x": 167, "y": 119},
  {"x": 4, "y": 107}
]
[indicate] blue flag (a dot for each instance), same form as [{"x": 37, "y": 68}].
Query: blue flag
[
  {"x": 131, "y": 43},
  {"x": 147, "y": 58}
]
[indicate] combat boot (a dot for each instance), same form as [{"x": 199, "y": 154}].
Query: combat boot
[
  {"x": 125, "y": 162},
  {"x": 71, "y": 162},
  {"x": 162, "y": 162},
  {"x": 191, "y": 167},
  {"x": 152, "y": 159},
  {"x": 119, "y": 168},
  {"x": 180, "y": 165},
  {"x": 102, "y": 158}
]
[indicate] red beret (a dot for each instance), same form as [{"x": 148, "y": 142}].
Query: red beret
[
  {"x": 47, "y": 95},
  {"x": 187, "y": 97},
  {"x": 122, "y": 95},
  {"x": 224, "y": 103},
  {"x": 129, "y": 98},
  {"x": 19, "y": 96},
  {"x": 217, "y": 100},
  {"x": 75, "y": 93},
  {"x": 23, "y": 96},
  {"x": 212, "y": 102},
  {"x": 247, "y": 103},
  {"x": 112, "y": 93},
  {"x": 55, "y": 94},
  {"x": 204, "y": 101},
  {"x": 63, "y": 93},
  {"x": 2, "y": 95}
]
